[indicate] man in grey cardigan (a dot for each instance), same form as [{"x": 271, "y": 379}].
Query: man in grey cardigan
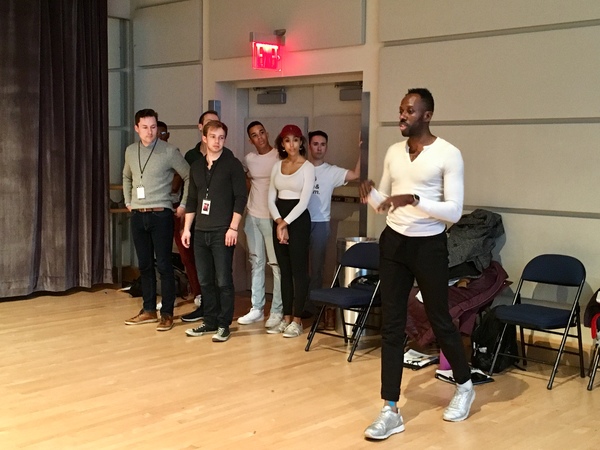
[{"x": 148, "y": 173}]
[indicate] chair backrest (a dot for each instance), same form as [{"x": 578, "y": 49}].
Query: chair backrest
[
  {"x": 363, "y": 255},
  {"x": 561, "y": 270}
]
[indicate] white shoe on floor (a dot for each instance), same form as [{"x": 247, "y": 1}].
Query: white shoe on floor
[
  {"x": 255, "y": 315},
  {"x": 198, "y": 300},
  {"x": 293, "y": 330},
  {"x": 279, "y": 328},
  {"x": 273, "y": 320},
  {"x": 460, "y": 405}
]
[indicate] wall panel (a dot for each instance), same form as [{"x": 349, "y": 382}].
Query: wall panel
[
  {"x": 169, "y": 33},
  {"x": 310, "y": 24},
  {"x": 525, "y": 76},
  {"x": 174, "y": 92},
  {"x": 536, "y": 167},
  {"x": 400, "y": 19}
]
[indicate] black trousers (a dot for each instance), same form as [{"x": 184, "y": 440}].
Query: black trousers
[
  {"x": 402, "y": 260},
  {"x": 293, "y": 259}
]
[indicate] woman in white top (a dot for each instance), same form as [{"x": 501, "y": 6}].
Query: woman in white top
[{"x": 292, "y": 181}]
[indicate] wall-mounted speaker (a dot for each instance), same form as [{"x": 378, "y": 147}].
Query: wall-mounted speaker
[{"x": 271, "y": 98}]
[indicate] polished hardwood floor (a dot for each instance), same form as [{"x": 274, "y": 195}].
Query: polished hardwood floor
[{"x": 73, "y": 376}]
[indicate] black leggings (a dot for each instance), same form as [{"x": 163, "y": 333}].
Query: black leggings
[{"x": 293, "y": 259}]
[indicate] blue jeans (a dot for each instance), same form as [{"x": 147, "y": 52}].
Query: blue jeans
[
  {"x": 319, "y": 235},
  {"x": 259, "y": 234},
  {"x": 152, "y": 234},
  {"x": 214, "y": 262}
]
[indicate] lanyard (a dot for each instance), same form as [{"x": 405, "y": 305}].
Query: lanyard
[
  {"x": 208, "y": 174},
  {"x": 140, "y": 158}
]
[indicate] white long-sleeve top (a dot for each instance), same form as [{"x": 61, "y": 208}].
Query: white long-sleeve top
[
  {"x": 436, "y": 175},
  {"x": 297, "y": 186}
]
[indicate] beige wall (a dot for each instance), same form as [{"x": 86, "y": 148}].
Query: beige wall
[{"x": 515, "y": 83}]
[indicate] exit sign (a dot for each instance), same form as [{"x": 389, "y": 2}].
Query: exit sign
[{"x": 265, "y": 56}]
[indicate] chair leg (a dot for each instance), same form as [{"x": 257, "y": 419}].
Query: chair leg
[
  {"x": 344, "y": 323},
  {"x": 313, "y": 328},
  {"x": 357, "y": 331},
  {"x": 579, "y": 341},
  {"x": 594, "y": 366},
  {"x": 523, "y": 347},
  {"x": 558, "y": 356},
  {"x": 497, "y": 349}
]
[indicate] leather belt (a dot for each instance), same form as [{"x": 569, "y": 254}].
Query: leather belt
[{"x": 149, "y": 209}]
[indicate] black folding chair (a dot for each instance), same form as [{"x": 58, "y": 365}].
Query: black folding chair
[
  {"x": 546, "y": 316},
  {"x": 359, "y": 298}
]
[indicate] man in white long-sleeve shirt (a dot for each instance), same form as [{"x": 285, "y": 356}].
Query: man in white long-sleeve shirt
[{"x": 424, "y": 184}]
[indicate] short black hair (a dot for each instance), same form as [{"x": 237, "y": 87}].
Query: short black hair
[
  {"x": 161, "y": 124},
  {"x": 252, "y": 125},
  {"x": 425, "y": 95},
  {"x": 210, "y": 111},
  {"x": 317, "y": 133},
  {"x": 145, "y": 113}
]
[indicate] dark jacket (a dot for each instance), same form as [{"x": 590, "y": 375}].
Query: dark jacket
[{"x": 472, "y": 238}]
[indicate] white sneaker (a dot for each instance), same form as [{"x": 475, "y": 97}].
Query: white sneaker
[
  {"x": 273, "y": 320},
  {"x": 158, "y": 306},
  {"x": 255, "y": 315},
  {"x": 279, "y": 328},
  {"x": 388, "y": 423},
  {"x": 293, "y": 330},
  {"x": 460, "y": 405},
  {"x": 198, "y": 300}
]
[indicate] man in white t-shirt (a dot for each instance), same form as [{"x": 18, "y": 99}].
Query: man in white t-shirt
[
  {"x": 259, "y": 227},
  {"x": 327, "y": 178}
]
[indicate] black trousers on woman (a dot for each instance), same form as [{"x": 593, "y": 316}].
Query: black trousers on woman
[
  {"x": 402, "y": 260},
  {"x": 293, "y": 259}
]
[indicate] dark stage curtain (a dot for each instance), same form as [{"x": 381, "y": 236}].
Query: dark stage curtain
[{"x": 54, "y": 230}]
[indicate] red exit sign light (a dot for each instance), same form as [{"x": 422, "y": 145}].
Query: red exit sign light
[{"x": 265, "y": 56}]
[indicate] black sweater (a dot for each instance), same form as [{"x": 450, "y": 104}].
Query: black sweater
[{"x": 226, "y": 182}]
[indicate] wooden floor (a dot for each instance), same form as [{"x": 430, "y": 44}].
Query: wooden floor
[{"x": 73, "y": 376}]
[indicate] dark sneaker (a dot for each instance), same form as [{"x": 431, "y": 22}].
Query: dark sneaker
[
  {"x": 221, "y": 335},
  {"x": 194, "y": 316},
  {"x": 202, "y": 329},
  {"x": 166, "y": 323},
  {"x": 142, "y": 317}
]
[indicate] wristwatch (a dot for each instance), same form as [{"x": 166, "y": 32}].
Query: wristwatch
[{"x": 416, "y": 199}]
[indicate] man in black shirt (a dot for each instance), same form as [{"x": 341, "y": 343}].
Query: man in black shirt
[{"x": 217, "y": 198}]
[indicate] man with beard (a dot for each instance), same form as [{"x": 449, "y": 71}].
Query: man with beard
[{"x": 423, "y": 186}]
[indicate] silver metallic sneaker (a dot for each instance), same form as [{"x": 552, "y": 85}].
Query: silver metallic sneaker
[
  {"x": 279, "y": 328},
  {"x": 273, "y": 320},
  {"x": 385, "y": 425},
  {"x": 460, "y": 405}
]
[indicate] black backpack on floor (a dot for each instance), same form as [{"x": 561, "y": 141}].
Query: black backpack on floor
[{"x": 484, "y": 339}]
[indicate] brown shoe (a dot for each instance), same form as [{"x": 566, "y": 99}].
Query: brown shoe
[
  {"x": 142, "y": 317},
  {"x": 166, "y": 323}
]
